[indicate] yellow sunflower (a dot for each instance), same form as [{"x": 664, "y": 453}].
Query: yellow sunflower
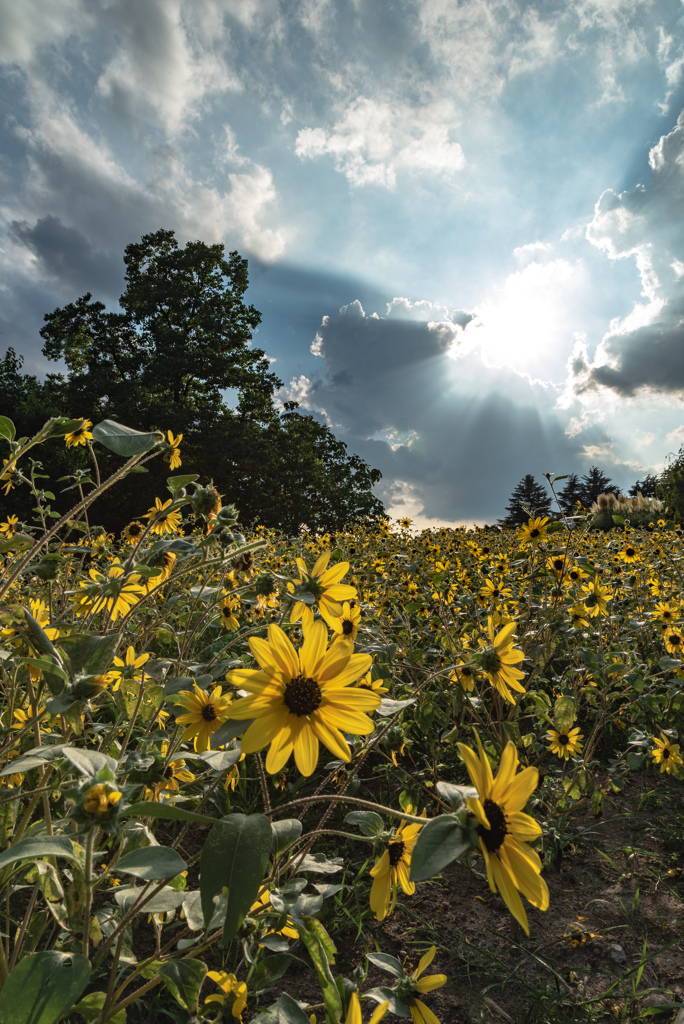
[
  {"x": 8, "y": 474},
  {"x": 464, "y": 675},
  {"x": 326, "y": 588},
  {"x": 629, "y": 554},
  {"x": 565, "y": 743},
  {"x": 133, "y": 532},
  {"x": 174, "y": 456},
  {"x": 234, "y": 992},
  {"x": 164, "y": 522},
  {"x": 10, "y": 527},
  {"x": 534, "y": 530},
  {"x": 420, "y": 1013},
  {"x": 263, "y": 904},
  {"x": 174, "y": 773},
  {"x": 392, "y": 871},
  {"x": 206, "y": 712},
  {"x": 347, "y": 625},
  {"x": 302, "y": 697},
  {"x": 127, "y": 668},
  {"x": 227, "y": 609},
  {"x": 108, "y": 593},
  {"x": 578, "y": 615},
  {"x": 663, "y": 612},
  {"x": 596, "y": 597},
  {"x": 666, "y": 754},
  {"x": 504, "y": 829},
  {"x": 498, "y": 660},
  {"x": 674, "y": 641},
  {"x": 80, "y": 435}
]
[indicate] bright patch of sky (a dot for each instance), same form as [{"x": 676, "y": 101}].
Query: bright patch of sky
[{"x": 462, "y": 219}]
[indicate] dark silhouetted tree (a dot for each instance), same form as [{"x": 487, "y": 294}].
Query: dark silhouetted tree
[
  {"x": 647, "y": 487},
  {"x": 528, "y": 493},
  {"x": 593, "y": 483},
  {"x": 570, "y": 495}
]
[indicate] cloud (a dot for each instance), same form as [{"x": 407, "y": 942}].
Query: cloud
[
  {"x": 455, "y": 434},
  {"x": 644, "y": 350},
  {"x": 32, "y": 25},
  {"x": 168, "y": 57},
  {"x": 374, "y": 140}
]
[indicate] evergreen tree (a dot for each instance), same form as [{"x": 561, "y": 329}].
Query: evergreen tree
[
  {"x": 570, "y": 495},
  {"x": 530, "y": 494},
  {"x": 647, "y": 486},
  {"x": 593, "y": 483}
]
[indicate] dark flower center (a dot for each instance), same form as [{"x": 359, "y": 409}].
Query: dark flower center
[
  {"x": 302, "y": 696},
  {"x": 168, "y": 772},
  {"x": 666, "y": 751},
  {"x": 209, "y": 713},
  {"x": 534, "y": 533},
  {"x": 675, "y": 640},
  {"x": 558, "y": 565},
  {"x": 134, "y": 530},
  {"x": 630, "y": 552},
  {"x": 493, "y": 837},
  {"x": 496, "y": 592},
  {"x": 466, "y": 671},
  {"x": 563, "y": 739},
  {"x": 347, "y": 626},
  {"x": 396, "y": 852}
]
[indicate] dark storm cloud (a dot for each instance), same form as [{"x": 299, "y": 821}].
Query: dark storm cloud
[
  {"x": 67, "y": 255},
  {"x": 645, "y": 351},
  {"x": 457, "y": 435}
]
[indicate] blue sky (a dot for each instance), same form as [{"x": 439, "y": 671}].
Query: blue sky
[{"x": 463, "y": 220}]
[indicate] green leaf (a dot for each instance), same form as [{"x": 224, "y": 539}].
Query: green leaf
[
  {"x": 7, "y": 428},
  {"x": 124, "y": 440},
  {"x": 88, "y": 762},
  {"x": 184, "y": 978},
  {"x": 177, "y": 483},
  {"x": 286, "y": 1011},
  {"x": 234, "y": 857},
  {"x": 564, "y": 713},
  {"x": 322, "y": 951},
  {"x": 45, "y": 665},
  {"x": 89, "y": 655},
  {"x": 37, "y": 846},
  {"x": 19, "y": 542},
  {"x": 40, "y": 637},
  {"x": 90, "y": 1007},
  {"x": 43, "y": 987},
  {"x": 618, "y": 520},
  {"x": 370, "y": 823},
  {"x": 387, "y": 963},
  {"x": 151, "y": 863},
  {"x": 439, "y": 842},
  {"x": 285, "y": 832},
  {"x": 58, "y": 426},
  {"x": 151, "y": 809},
  {"x": 166, "y": 901}
]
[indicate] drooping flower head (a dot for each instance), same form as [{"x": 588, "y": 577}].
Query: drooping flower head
[
  {"x": 392, "y": 871},
  {"x": 80, "y": 435},
  {"x": 324, "y": 584},
  {"x": 504, "y": 830}
]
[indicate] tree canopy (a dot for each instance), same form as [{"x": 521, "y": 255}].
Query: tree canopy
[
  {"x": 164, "y": 361},
  {"x": 527, "y": 495}
]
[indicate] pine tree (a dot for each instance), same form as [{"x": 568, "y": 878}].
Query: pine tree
[
  {"x": 570, "y": 495},
  {"x": 593, "y": 483},
  {"x": 530, "y": 494}
]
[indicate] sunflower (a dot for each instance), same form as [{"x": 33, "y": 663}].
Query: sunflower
[
  {"x": 108, "y": 593},
  {"x": 498, "y": 660},
  {"x": 368, "y": 683},
  {"x": 127, "y": 668},
  {"x": 629, "y": 554},
  {"x": 420, "y": 1013},
  {"x": 234, "y": 992},
  {"x": 261, "y": 905},
  {"x": 206, "y": 712},
  {"x": 163, "y": 522},
  {"x": 326, "y": 588},
  {"x": 674, "y": 641},
  {"x": 666, "y": 754},
  {"x": 578, "y": 615},
  {"x": 493, "y": 592},
  {"x": 80, "y": 435},
  {"x": 354, "y": 1011},
  {"x": 9, "y": 471},
  {"x": 100, "y": 800},
  {"x": 302, "y": 697},
  {"x": 565, "y": 743},
  {"x": 534, "y": 530},
  {"x": 347, "y": 625},
  {"x": 175, "y": 772},
  {"x": 663, "y": 612},
  {"x": 10, "y": 527},
  {"x": 504, "y": 829},
  {"x": 227, "y": 609},
  {"x": 464, "y": 675},
  {"x": 174, "y": 455},
  {"x": 392, "y": 871},
  {"x": 167, "y": 562},
  {"x": 595, "y": 597},
  {"x": 133, "y": 532}
]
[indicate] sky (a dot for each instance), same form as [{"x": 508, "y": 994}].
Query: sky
[{"x": 463, "y": 218}]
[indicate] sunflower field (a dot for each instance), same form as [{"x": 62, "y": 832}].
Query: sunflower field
[{"x": 332, "y": 778}]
